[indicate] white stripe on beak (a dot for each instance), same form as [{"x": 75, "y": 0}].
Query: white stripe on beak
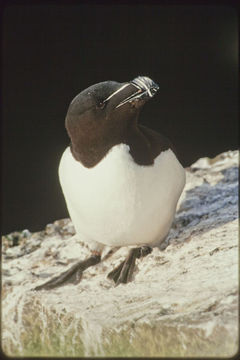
[
  {"x": 145, "y": 87},
  {"x": 117, "y": 91}
]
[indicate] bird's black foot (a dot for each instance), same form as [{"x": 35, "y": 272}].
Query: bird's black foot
[
  {"x": 72, "y": 275},
  {"x": 123, "y": 272}
]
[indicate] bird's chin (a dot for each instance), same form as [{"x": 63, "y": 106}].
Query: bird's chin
[{"x": 137, "y": 103}]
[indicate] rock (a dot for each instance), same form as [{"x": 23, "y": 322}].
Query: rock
[
  {"x": 14, "y": 239},
  {"x": 183, "y": 300},
  {"x": 12, "y": 253},
  {"x": 63, "y": 227},
  {"x": 25, "y": 245}
]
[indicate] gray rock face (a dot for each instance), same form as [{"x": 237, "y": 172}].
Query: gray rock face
[{"x": 183, "y": 300}]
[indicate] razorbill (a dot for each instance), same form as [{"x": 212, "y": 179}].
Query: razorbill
[{"x": 121, "y": 180}]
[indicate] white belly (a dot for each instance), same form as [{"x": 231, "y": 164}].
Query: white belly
[{"x": 119, "y": 203}]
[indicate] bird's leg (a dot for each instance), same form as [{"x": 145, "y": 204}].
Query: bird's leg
[
  {"x": 123, "y": 272},
  {"x": 110, "y": 253},
  {"x": 72, "y": 275}
]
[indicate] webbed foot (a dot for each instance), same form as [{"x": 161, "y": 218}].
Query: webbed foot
[
  {"x": 70, "y": 276},
  {"x": 124, "y": 271}
]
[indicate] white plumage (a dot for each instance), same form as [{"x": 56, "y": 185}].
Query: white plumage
[{"x": 120, "y": 203}]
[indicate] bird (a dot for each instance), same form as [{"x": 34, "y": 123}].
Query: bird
[{"x": 121, "y": 180}]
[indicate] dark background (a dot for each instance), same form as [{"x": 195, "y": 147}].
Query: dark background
[{"x": 51, "y": 53}]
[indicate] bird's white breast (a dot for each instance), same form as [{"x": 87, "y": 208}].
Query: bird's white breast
[{"x": 119, "y": 203}]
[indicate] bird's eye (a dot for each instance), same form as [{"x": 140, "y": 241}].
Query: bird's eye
[{"x": 101, "y": 104}]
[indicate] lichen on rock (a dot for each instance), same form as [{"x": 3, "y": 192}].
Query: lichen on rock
[{"x": 183, "y": 300}]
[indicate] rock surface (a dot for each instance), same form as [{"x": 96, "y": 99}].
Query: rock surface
[{"x": 183, "y": 300}]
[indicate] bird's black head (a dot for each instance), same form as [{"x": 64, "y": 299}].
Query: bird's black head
[{"x": 101, "y": 115}]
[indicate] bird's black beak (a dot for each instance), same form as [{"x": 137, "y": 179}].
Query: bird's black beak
[{"x": 145, "y": 89}]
